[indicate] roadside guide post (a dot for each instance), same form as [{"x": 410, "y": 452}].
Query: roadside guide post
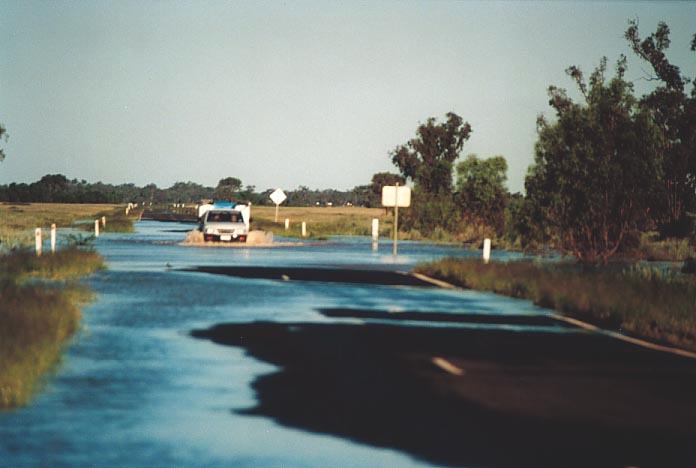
[
  {"x": 96, "y": 228},
  {"x": 53, "y": 238},
  {"x": 278, "y": 197},
  {"x": 486, "y": 250},
  {"x": 37, "y": 236},
  {"x": 103, "y": 220},
  {"x": 375, "y": 234},
  {"x": 304, "y": 229},
  {"x": 287, "y": 224},
  {"x": 395, "y": 196}
]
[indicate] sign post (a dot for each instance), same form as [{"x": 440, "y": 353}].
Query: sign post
[
  {"x": 278, "y": 197},
  {"x": 396, "y": 218},
  {"x": 396, "y": 196}
]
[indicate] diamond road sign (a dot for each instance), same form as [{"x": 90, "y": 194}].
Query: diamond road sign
[{"x": 278, "y": 196}]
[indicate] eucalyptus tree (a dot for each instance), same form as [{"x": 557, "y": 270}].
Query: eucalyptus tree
[
  {"x": 428, "y": 158},
  {"x": 428, "y": 161}
]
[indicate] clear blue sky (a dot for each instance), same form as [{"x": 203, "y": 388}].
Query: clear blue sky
[{"x": 282, "y": 94}]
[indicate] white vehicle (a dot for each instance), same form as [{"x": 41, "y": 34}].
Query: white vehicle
[{"x": 226, "y": 224}]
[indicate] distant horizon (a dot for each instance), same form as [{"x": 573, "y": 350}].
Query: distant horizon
[{"x": 292, "y": 94}]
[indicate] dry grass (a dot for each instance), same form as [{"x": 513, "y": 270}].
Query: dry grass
[
  {"x": 321, "y": 221},
  {"x": 642, "y": 301},
  {"x": 17, "y": 221},
  {"x": 35, "y": 323},
  {"x": 38, "y": 317}
]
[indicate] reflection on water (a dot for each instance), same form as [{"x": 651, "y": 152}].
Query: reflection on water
[{"x": 135, "y": 388}]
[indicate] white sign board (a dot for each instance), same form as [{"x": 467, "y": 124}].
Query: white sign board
[
  {"x": 393, "y": 195},
  {"x": 278, "y": 196}
]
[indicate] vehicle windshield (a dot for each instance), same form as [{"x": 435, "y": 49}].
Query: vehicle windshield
[{"x": 224, "y": 217}]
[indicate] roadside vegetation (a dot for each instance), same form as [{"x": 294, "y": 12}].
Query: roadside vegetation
[
  {"x": 614, "y": 174},
  {"x": 38, "y": 317},
  {"x": 20, "y": 219},
  {"x": 658, "y": 304},
  {"x": 40, "y": 298},
  {"x": 116, "y": 220}
]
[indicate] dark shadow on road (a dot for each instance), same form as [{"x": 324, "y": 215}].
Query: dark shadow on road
[
  {"x": 328, "y": 275},
  {"x": 441, "y": 317},
  {"x": 522, "y": 399}
]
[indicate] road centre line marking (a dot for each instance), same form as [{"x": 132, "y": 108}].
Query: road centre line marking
[
  {"x": 583, "y": 325},
  {"x": 447, "y": 366}
]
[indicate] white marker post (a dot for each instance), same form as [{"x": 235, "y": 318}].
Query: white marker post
[
  {"x": 37, "y": 238},
  {"x": 375, "y": 234},
  {"x": 103, "y": 220},
  {"x": 96, "y": 228},
  {"x": 287, "y": 224},
  {"x": 277, "y": 197},
  {"x": 395, "y": 196},
  {"x": 486, "y": 250},
  {"x": 304, "y": 229},
  {"x": 375, "y": 230},
  {"x": 53, "y": 238}
]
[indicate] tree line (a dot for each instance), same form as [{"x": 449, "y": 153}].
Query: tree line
[{"x": 57, "y": 188}]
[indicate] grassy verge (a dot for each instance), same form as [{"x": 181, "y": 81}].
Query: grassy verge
[
  {"x": 37, "y": 317},
  {"x": 643, "y": 302},
  {"x": 19, "y": 220},
  {"x": 36, "y": 321}
]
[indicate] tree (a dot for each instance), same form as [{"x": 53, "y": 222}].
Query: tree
[
  {"x": 481, "y": 191},
  {"x": 227, "y": 188},
  {"x": 427, "y": 159},
  {"x": 675, "y": 116},
  {"x": 3, "y": 136},
  {"x": 596, "y": 168}
]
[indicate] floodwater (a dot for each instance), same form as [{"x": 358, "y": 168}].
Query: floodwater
[{"x": 134, "y": 388}]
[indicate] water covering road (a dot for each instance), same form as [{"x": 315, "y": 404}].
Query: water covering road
[{"x": 134, "y": 388}]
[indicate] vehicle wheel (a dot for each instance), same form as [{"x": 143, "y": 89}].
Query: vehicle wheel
[{"x": 207, "y": 237}]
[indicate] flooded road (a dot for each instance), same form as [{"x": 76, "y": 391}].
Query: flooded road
[{"x": 135, "y": 388}]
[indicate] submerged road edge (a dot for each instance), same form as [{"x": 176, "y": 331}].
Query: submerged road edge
[{"x": 581, "y": 324}]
